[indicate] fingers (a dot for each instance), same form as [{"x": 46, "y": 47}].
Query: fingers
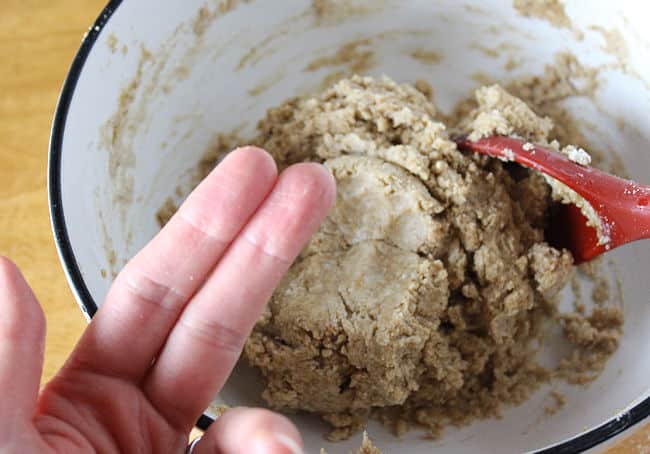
[
  {"x": 149, "y": 294},
  {"x": 22, "y": 337},
  {"x": 207, "y": 340},
  {"x": 249, "y": 430}
]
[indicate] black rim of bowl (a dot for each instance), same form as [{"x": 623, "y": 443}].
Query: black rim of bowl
[{"x": 579, "y": 443}]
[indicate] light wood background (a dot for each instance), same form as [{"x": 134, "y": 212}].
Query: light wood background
[{"x": 38, "y": 40}]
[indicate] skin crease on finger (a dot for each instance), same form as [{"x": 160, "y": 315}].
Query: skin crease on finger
[{"x": 100, "y": 401}]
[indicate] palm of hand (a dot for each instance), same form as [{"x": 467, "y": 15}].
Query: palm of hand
[
  {"x": 89, "y": 412},
  {"x": 185, "y": 303}
]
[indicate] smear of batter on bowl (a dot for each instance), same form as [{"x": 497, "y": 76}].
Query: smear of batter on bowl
[
  {"x": 614, "y": 44},
  {"x": 495, "y": 51},
  {"x": 551, "y": 11},
  {"x": 348, "y": 54},
  {"x": 112, "y": 43},
  {"x": 333, "y": 12},
  {"x": 430, "y": 57},
  {"x": 268, "y": 82},
  {"x": 513, "y": 63},
  {"x": 358, "y": 56},
  {"x": 420, "y": 300},
  {"x": 262, "y": 49},
  {"x": 117, "y": 136},
  {"x": 206, "y": 15},
  {"x": 354, "y": 57}
]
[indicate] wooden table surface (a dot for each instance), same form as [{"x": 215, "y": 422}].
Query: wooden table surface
[{"x": 38, "y": 40}]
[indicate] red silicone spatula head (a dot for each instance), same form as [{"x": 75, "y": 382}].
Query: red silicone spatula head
[{"x": 622, "y": 206}]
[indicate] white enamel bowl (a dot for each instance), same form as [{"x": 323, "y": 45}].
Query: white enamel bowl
[{"x": 132, "y": 123}]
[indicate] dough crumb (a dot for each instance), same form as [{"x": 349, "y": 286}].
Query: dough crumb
[
  {"x": 218, "y": 410},
  {"x": 557, "y": 404},
  {"x": 577, "y": 155},
  {"x": 367, "y": 447}
]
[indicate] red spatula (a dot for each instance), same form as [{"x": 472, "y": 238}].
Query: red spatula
[{"x": 623, "y": 206}]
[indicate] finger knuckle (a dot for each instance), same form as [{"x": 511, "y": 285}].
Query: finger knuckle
[
  {"x": 150, "y": 291},
  {"x": 268, "y": 247},
  {"x": 215, "y": 334},
  {"x": 201, "y": 225}
]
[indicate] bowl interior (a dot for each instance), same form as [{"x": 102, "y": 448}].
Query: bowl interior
[{"x": 153, "y": 95}]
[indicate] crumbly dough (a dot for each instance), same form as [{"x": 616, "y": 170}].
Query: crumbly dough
[
  {"x": 500, "y": 113},
  {"x": 421, "y": 298},
  {"x": 417, "y": 300}
]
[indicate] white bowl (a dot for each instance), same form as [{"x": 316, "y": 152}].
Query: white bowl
[{"x": 132, "y": 123}]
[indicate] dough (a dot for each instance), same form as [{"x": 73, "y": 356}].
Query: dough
[
  {"x": 424, "y": 286},
  {"x": 422, "y": 297}
]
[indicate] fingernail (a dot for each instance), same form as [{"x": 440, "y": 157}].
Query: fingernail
[
  {"x": 290, "y": 443},
  {"x": 327, "y": 172},
  {"x": 330, "y": 176},
  {"x": 267, "y": 443}
]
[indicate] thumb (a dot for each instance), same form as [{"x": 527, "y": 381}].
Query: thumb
[
  {"x": 22, "y": 336},
  {"x": 250, "y": 430}
]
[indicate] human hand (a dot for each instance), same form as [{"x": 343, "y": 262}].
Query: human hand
[{"x": 172, "y": 327}]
